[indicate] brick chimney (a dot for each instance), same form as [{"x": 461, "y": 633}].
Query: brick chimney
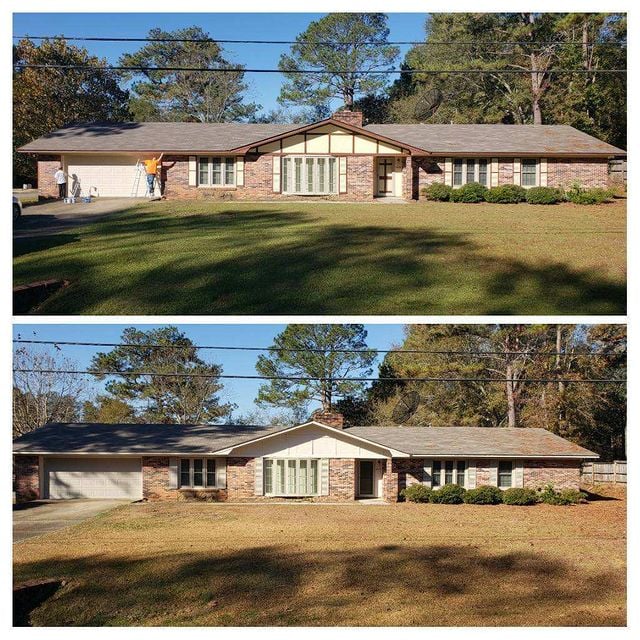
[
  {"x": 353, "y": 118},
  {"x": 330, "y": 418}
]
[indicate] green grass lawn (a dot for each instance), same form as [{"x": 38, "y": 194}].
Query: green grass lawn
[
  {"x": 326, "y": 258},
  {"x": 182, "y": 563}
]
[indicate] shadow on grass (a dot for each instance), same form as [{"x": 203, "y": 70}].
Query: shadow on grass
[
  {"x": 273, "y": 586},
  {"x": 270, "y": 261},
  {"x": 24, "y": 246}
]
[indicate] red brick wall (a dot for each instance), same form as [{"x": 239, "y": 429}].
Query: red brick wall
[
  {"x": 47, "y": 166},
  {"x": 562, "y": 474},
  {"x": 563, "y": 172},
  {"x": 354, "y": 118},
  {"x": 26, "y": 471},
  {"x": 425, "y": 171}
]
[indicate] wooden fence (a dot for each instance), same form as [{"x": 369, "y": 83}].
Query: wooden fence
[{"x": 599, "y": 472}]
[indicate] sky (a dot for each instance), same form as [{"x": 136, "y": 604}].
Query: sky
[
  {"x": 263, "y": 88},
  {"x": 240, "y": 392}
]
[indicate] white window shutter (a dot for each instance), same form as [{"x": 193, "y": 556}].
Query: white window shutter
[
  {"x": 493, "y": 473},
  {"x": 173, "y": 473},
  {"x": 342, "y": 174},
  {"x": 239, "y": 172},
  {"x": 221, "y": 473},
  {"x": 426, "y": 473},
  {"x": 259, "y": 483},
  {"x": 471, "y": 474},
  {"x": 448, "y": 171},
  {"x": 516, "y": 171},
  {"x": 518, "y": 473},
  {"x": 276, "y": 174},
  {"x": 193, "y": 174},
  {"x": 495, "y": 172},
  {"x": 542, "y": 167},
  {"x": 324, "y": 477}
]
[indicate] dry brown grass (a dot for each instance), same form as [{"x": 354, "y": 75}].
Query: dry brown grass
[{"x": 195, "y": 564}]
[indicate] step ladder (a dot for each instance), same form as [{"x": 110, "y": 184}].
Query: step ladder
[{"x": 140, "y": 171}]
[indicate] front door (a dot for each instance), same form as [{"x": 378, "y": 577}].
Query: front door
[
  {"x": 385, "y": 176},
  {"x": 366, "y": 481}
]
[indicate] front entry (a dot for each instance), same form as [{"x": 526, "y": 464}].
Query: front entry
[
  {"x": 385, "y": 176},
  {"x": 368, "y": 478}
]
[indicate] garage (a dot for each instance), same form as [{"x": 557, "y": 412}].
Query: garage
[
  {"x": 81, "y": 477},
  {"x": 107, "y": 176}
]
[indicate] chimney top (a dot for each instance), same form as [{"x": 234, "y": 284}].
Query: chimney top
[
  {"x": 330, "y": 418},
  {"x": 353, "y": 118}
]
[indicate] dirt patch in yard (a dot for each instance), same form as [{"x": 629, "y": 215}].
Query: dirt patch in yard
[{"x": 440, "y": 565}]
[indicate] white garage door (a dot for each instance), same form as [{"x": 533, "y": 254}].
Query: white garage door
[
  {"x": 93, "y": 478},
  {"x": 105, "y": 176}
]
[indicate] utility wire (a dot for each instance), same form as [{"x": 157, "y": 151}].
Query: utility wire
[
  {"x": 317, "y": 378},
  {"x": 307, "y": 349},
  {"x": 82, "y": 67}
]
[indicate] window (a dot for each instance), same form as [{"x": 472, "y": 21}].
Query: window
[
  {"x": 505, "y": 472},
  {"x": 529, "y": 176},
  {"x": 290, "y": 477},
  {"x": 309, "y": 175},
  {"x": 482, "y": 172},
  {"x": 467, "y": 170},
  {"x": 216, "y": 172},
  {"x": 197, "y": 472},
  {"x": 457, "y": 172},
  {"x": 451, "y": 471},
  {"x": 471, "y": 171}
]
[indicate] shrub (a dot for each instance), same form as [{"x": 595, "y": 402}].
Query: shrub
[
  {"x": 437, "y": 191},
  {"x": 578, "y": 195},
  {"x": 470, "y": 192},
  {"x": 506, "y": 194},
  {"x": 449, "y": 494},
  {"x": 483, "y": 495},
  {"x": 543, "y": 195},
  {"x": 417, "y": 493},
  {"x": 519, "y": 496},
  {"x": 549, "y": 495}
]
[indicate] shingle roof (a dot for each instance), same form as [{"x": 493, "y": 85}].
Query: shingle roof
[
  {"x": 194, "y": 137},
  {"x": 496, "y": 138},
  {"x": 182, "y": 439}
]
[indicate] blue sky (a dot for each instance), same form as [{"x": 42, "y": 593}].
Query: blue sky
[
  {"x": 263, "y": 88},
  {"x": 240, "y": 392}
]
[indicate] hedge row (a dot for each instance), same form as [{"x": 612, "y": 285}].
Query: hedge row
[
  {"x": 454, "y": 494},
  {"x": 514, "y": 194}
]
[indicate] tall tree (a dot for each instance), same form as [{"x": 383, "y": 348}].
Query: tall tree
[
  {"x": 337, "y": 49},
  {"x": 186, "y": 95},
  {"x": 191, "y": 397},
  {"x": 47, "y": 99},
  {"x": 108, "y": 410},
  {"x": 314, "y": 350},
  {"x": 40, "y": 398}
]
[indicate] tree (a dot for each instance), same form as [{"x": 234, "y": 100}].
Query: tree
[
  {"x": 47, "y": 99},
  {"x": 290, "y": 358},
  {"x": 108, "y": 410},
  {"x": 186, "y": 95},
  {"x": 41, "y": 398},
  {"x": 188, "y": 398},
  {"x": 337, "y": 48}
]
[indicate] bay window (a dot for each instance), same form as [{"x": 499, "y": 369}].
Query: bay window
[
  {"x": 216, "y": 171},
  {"x": 448, "y": 472},
  {"x": 197, "y": 473},
  {"x": 309, "y": 175},
  {"x": 290, "y": 477}
]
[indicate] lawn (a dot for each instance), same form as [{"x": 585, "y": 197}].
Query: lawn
[
  {"x": 327, "y": 258},
  {"x": 405, "y": 564}
]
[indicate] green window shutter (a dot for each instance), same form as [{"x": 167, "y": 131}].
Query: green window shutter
[
  {"x": 259, "y": 490},
  {"x": 173, "y": 473},
  {"x": 426, "y": 473},
  {"x": 471, "y": 474},
  {"x": 221, "y": 473},
  {"x": 518, "y": 473},
  {"x": 493, "y": 473},
  {"x": 324, "y": 477}
]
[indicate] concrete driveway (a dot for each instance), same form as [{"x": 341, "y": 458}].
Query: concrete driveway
[
  {"x": 55, "y": 217},
  {"x": 44, "y": 516}
]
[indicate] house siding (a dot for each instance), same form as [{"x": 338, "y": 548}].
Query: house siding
[
  {"x": 562, "y": 172},
  {"x": 562, "y": 474}
]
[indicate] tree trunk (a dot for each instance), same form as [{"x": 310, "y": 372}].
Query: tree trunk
[{"x": 511, "y": 397}]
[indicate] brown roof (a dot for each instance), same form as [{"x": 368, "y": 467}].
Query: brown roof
[
  {"x": 90, "y": 438},
  {"x": 499, "y": 139},
  {"x": 438, "y": 139}
]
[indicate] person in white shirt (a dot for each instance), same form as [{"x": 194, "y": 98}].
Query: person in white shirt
[{"x": 61, "y": 180}]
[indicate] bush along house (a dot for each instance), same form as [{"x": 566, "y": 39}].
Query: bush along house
[
  {"x": 333, "y": 159},
  {"x": 318, "y": 461}
]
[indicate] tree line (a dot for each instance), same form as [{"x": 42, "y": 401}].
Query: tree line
[
  {"x": 337, "y": 49},
  {"x": 516, "y": 357}
]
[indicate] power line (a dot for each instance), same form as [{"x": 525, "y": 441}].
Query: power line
[
  {"x": 81, "y": 67},
  {"x": 307, "y": 349},
  {"x": 317, "y": 378}
]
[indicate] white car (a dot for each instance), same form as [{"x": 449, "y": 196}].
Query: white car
[{"x": 17, "y": 208}]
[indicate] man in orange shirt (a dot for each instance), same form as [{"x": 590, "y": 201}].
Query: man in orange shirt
[{"x": 151, "y": 167}]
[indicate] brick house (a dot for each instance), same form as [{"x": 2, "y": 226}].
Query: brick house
[
  {"x": 333, "y": 159},
  {"x": 318, "y": 460}
]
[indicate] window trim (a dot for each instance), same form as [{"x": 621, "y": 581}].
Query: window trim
[
  {"x": 205, "y": 472},
  {"x": 454, "y": 473},
  {"x": 536, "y": 162},
  {"x": 290, "y": 174},
  {"x": 476, "y": 171},
  {"x": 272, "y": 463},
  {"x": 223, "y": 162}
]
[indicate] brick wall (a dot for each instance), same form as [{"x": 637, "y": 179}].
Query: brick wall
[
  {"x": 47, "y": 166},
  {"x": 505, "y": 171},
  {"x": 26, "y": 471},
  {"x": 425, "y": 171},
  {"x": 593, "y": 172},
  {"x": 562, "y": 474}
]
